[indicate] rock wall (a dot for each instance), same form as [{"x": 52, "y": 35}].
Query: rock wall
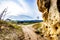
[{"x": 51, "y": 18}]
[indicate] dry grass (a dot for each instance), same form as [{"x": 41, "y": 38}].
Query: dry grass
[{"x": 9, "y": 31}]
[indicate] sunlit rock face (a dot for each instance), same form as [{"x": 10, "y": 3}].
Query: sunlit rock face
[{"x": 51, "y": 16}]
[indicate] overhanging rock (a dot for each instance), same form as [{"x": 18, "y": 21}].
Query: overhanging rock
[{"x": 51, "y": 17}]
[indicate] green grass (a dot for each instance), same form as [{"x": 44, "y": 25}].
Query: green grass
[{"x": 9, "y": 24}]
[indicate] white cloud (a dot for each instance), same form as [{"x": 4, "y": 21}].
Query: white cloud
[
  {"x": 37, "y": 11},
  {"x": 13, "y": 8},
  {"x": 27, "y": 7}
]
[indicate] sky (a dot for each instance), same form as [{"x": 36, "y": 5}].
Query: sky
[{"x": 20, "y": 9}]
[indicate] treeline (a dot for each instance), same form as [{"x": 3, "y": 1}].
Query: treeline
[{"x": 28, "y": 21}]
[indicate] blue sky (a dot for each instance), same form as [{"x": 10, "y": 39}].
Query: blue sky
[{"x": 20, "y": 9}]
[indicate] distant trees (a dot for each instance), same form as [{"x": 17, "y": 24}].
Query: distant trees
[{"x": 3, "y": 13}]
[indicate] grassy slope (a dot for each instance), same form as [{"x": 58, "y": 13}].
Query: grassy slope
[{"x": 10, "y": 31}]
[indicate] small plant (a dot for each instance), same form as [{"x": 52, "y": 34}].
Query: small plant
[
  {"x": 37, "y": 25},
  {"x": 3, "y": 13}
]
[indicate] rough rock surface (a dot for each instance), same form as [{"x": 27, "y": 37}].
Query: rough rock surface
[
  {"x": 29, "y": 33},
  {"x": 13, "y": 31},
  {"x": 10, "y": 32},
  {"x": 51, "y": 18}
]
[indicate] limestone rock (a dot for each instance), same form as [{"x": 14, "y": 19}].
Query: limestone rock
[{"x": 51, "y": 18}]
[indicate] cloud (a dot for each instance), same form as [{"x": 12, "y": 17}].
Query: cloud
[
  {"x": 38, "y": 13},
  {"x": 27, "y": 7},
  {"x": 21, "y": 17},
  {"x": 15, "y": 9}
]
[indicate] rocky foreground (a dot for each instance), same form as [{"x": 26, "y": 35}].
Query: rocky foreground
[
  {"x": 9, "y": 31},
  {"x": 12, "y": 31}
]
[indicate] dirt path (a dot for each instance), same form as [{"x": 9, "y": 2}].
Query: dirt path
[{"x": 29, "y": 33}]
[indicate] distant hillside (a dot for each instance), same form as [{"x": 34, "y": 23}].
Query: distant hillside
[
  {"x": 29, "y": 21},
  {"x": 24, "y": 21}
]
